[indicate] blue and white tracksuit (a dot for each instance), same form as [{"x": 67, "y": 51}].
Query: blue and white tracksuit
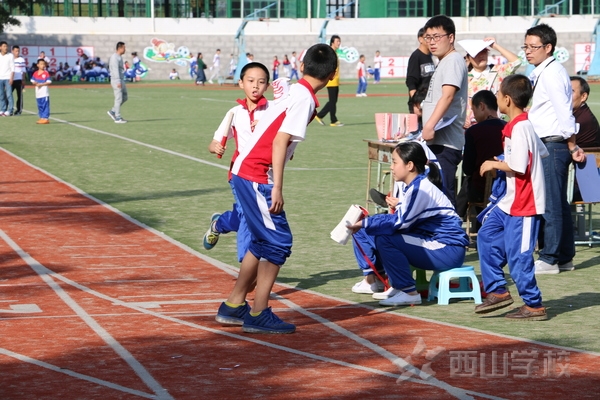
[{"x": 425, "y": 232}]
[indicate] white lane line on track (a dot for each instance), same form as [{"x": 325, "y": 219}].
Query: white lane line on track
[
  {"x": 175, "y": 153},
  {"x": 153, "y": 280},
  {"x": 99, "y": 245},
  {"x": 123, "y": 256},
  {"x": 47, "y": 276},
  {"x": 88, "y": 378},
  {"x": 127, "y": 267},
  {"x": 57, "y": 206}
]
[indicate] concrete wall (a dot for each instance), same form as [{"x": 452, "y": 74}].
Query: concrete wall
[{"x": 393, "y": 37}]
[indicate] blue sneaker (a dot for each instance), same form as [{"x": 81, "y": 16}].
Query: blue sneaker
[
  {"x": 232, "y": 316},
  {"x": 266, "y": 322},
  {"x": 211, "y": 237}
]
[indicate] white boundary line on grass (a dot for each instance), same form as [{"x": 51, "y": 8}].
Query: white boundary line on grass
[{"x": 177, "y": 154}]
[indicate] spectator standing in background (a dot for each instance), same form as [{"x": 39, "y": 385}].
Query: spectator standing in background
[
  {"x": 117, "y": 81},
  {"x": 216, "y": 66},
  {"x": 551, "y": 115},
  {"x": 377, "y": 63},
  {"x": 420, "y": 68},
  {"x": 7, "y": 71},
  {"x": 19, "y": 79}
]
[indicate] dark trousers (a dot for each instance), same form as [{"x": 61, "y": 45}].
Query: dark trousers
[
  {"x": 18, "y": 86},
  {"x": 449, "y": 160},
  {"x": 331, "y": 106}
]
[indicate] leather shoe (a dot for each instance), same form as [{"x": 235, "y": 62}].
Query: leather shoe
[
  {"x": 526, "y": 313},
  {"x": 494, "y": 301}
]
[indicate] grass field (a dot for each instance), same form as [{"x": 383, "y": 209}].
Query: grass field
[{"x": 157, "y": 169}]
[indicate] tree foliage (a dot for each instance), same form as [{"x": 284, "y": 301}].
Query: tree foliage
[{"x": 7, "y": 7}]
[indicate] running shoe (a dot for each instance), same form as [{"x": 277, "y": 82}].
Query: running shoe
[{"x": 211, "y": 237}]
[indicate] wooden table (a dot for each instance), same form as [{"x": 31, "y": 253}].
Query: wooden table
[{"x": 380, "y": 154}]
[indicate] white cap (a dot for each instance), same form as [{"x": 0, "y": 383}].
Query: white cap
[{"x": 475, "y": 46}]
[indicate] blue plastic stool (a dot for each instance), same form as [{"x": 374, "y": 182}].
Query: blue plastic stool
[
  {"x": 101, "y": 79},
  {"x": 439, "y": 286},
  {"x": 91, "y": 79}
]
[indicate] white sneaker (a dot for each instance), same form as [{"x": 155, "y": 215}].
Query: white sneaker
[
  {"x": 365, "y": 287},
  {"x": 364, "y": 95},
  {"x": 210, "y": 81},
  {"x": 386, "y": 295},
  {"x": 358, "y": 95},
  {"x": 402, "y": 299},
  {"x": 568, "y": 266},
  {"x": 543, "y": 268}
]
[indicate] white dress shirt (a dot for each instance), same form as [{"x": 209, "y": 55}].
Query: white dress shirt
[{"x": 551, "y": 109}]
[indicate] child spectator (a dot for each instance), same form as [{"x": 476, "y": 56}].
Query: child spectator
[
  {"x": 173, "y": 74},
  {"x": 287, "y": 69},
  {"x": 424, "y": 232},
  {"x": 200, "y": 67},
  {"x": 377, "y": 63},
  {"x": 193, "y": 66},
  {"x": 362, "y": 77},
  {"x": 483, "y": 141},
  {"x": 232, "y": 65},
  {"x": 510, "y": 230},
  {"x": 275, "y": 68},
  {"x": 260, "y": 194},
  {"x": 294, "y": 66},
  {"x": 254, "y": 80},
  {"x": 41, "y": 79}
]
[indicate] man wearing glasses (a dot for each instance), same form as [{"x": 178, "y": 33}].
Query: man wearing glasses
[
  {"x": 446, "y": 99},
  {"x": 553, "y": 121}
]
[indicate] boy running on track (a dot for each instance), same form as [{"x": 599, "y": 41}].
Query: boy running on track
[
  {"x": 259, "y": 190},
  {"x": 254, "y": 80}
]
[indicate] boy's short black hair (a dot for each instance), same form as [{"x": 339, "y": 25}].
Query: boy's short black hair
[
  {"x": 320, "y": 61},
  {"x": 16, "y": 46},
  {"x": 40, "y": 59},
  {"x": 518, "y": 88},
  {"x": 441, "y": 21},
  {"x": 333, "y": 39},
  {"x": 421, "y": 32},
  {"x": 546, "y": 34},
  {"x": 486, "y": 97},
  {"x": 3, "y": 42},
  {"x": 254, "y": 65},
  {"x": 584, "y": 86}
]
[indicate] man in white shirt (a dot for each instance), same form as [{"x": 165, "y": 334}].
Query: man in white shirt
[
  {"x": 216, "y": 66},
  {"x": 19, "y": 78},
  {"x": 553, "y": 121},
  {"x": 7, "y": 71}
]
